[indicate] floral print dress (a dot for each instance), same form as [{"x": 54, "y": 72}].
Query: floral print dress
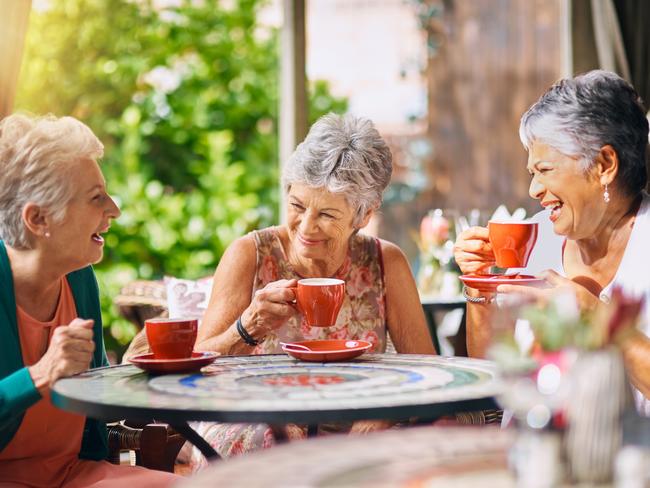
[
  {"x": 363, "y": 314},
  {"x": 362, "y": 317}
]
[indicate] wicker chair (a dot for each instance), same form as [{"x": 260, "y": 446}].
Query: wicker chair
[
  {"x": 155, "y": 445},
  {"x": 141, "y": 300}
]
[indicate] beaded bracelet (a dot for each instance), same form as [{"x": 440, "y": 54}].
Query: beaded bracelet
[{"x": 248, "y": 339}]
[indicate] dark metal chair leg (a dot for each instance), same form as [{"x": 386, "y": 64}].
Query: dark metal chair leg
[{"x": 191, "y": 435}]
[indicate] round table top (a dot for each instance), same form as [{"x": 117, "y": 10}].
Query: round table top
[
  {"x": 279, "y": 389},
  {"x": 411, "y": 458}
]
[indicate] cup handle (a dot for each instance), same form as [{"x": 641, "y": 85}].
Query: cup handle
[{"x": 295, "y": 301}]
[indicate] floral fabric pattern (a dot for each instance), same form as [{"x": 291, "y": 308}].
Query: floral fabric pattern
[{"x": 363, "y": 314}]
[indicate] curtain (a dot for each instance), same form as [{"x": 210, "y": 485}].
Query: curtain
[
  {"x": 633, "y": 20},
  {"x": 633, "y": 17},
  {"x": 14, "y": 15},
  {"x": 613, "y": 35}
]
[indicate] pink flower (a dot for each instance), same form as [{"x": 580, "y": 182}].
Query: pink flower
[
  {"x": 237, "y": 447},
  {"x": 434, "y": 229},
  {"x": 359, "y": 282},
  {"x": 372, "y": 337},
  {"x": 268, "y": 271},
  {"x": 340, "y": 334}
]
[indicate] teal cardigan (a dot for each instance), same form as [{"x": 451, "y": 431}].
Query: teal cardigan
[{"x": 17, "y": 390}]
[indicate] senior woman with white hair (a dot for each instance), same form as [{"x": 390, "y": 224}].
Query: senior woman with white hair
[
  {"x": 587, "y": 142},
  {"x": 334, "y": 183},
  {"x": 54, "y": 209}
]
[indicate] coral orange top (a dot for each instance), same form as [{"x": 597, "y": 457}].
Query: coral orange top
[
  {"x": 44, "y": 452},
  {"x": 47, "y": 435}
]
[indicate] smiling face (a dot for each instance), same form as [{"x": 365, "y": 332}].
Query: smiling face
[
  {"x": 575, "y": 197},
  {"x": 319, "y": 222},
  {"x": 76, "y": 240}
]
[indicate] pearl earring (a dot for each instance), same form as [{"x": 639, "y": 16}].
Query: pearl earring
[
  {"x": 606, "y": 194},
  {"x": 47, "y": 234}
]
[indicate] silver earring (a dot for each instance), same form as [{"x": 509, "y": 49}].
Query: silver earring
[{"x": 606, "y": 194}]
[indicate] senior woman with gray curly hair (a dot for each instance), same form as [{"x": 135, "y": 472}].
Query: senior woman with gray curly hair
[
  {"x": 334, "y": 183},
  {"x": 54, "y": 209},
  {"x": 587, "y": 142}
]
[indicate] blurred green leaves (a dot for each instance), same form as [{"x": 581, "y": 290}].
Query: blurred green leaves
[{"x": 185, "y": 100}]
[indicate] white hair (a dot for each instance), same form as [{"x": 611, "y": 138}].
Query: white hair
[
  {"x": 343, "y": 154},
  {"x": 35, "y": 157}
]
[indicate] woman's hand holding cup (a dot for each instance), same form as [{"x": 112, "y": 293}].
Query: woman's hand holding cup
[
  {"x": 270, "y": 308},
  {"x": 473, "y": 251},
  {"x": 504, "y": 244},
  {"x": 70, "y": 352}
]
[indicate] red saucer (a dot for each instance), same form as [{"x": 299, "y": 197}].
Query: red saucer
[
  {"x": 326, "y": 350},
  {"x": 148, "y": 363},
  {"x": 489, "y": 282}
]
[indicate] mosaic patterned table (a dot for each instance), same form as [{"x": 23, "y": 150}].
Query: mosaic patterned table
[
  {"x": 277, "y": 389},
  {"x": 419, "y": 457}
]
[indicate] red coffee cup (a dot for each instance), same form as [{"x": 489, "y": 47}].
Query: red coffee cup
[
  {"x": 512, "y": 242},
  {"x": 320, "y": 300},
  {"x": 171, "y": 338}
]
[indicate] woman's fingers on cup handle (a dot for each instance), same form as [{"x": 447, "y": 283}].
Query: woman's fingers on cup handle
[
  {"x": 281, "y": 295},
  {"x": 473, "y": 263},
  {"x": 283, "y": 283},
  {"x": 475, "y": 233},
  {"x": 483, "y": 248},
  {"x": 471, "y": 257},
  {"x": 281, "y": 309}
]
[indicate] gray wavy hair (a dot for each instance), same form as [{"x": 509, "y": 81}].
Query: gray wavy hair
[
  {"x": 35, "y": 157},
  {"x": 578, "y": 116},
  {"x": 344, "y": 154}
]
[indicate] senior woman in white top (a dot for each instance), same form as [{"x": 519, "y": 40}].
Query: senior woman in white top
[{"x": 587, "y": 141}]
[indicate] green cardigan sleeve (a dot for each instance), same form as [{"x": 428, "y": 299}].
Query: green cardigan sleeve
[
  {"x": 17, "y": 394},
  {"x": 17, "y": 390}
]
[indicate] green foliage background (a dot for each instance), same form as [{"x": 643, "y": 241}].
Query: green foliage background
[{"x": 185, "y": 100}]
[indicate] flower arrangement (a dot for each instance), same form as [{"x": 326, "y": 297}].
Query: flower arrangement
[
  {"x": 558, "y": 325},
  {"x": 438, "y": 272},
  {"x": 569, "y": 382}
]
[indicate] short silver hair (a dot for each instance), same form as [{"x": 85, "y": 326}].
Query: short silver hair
[
  {"x": 343, "y": 154},
  {"x": 578, "y": 116},
  {"x": 35, "y": 157}
]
